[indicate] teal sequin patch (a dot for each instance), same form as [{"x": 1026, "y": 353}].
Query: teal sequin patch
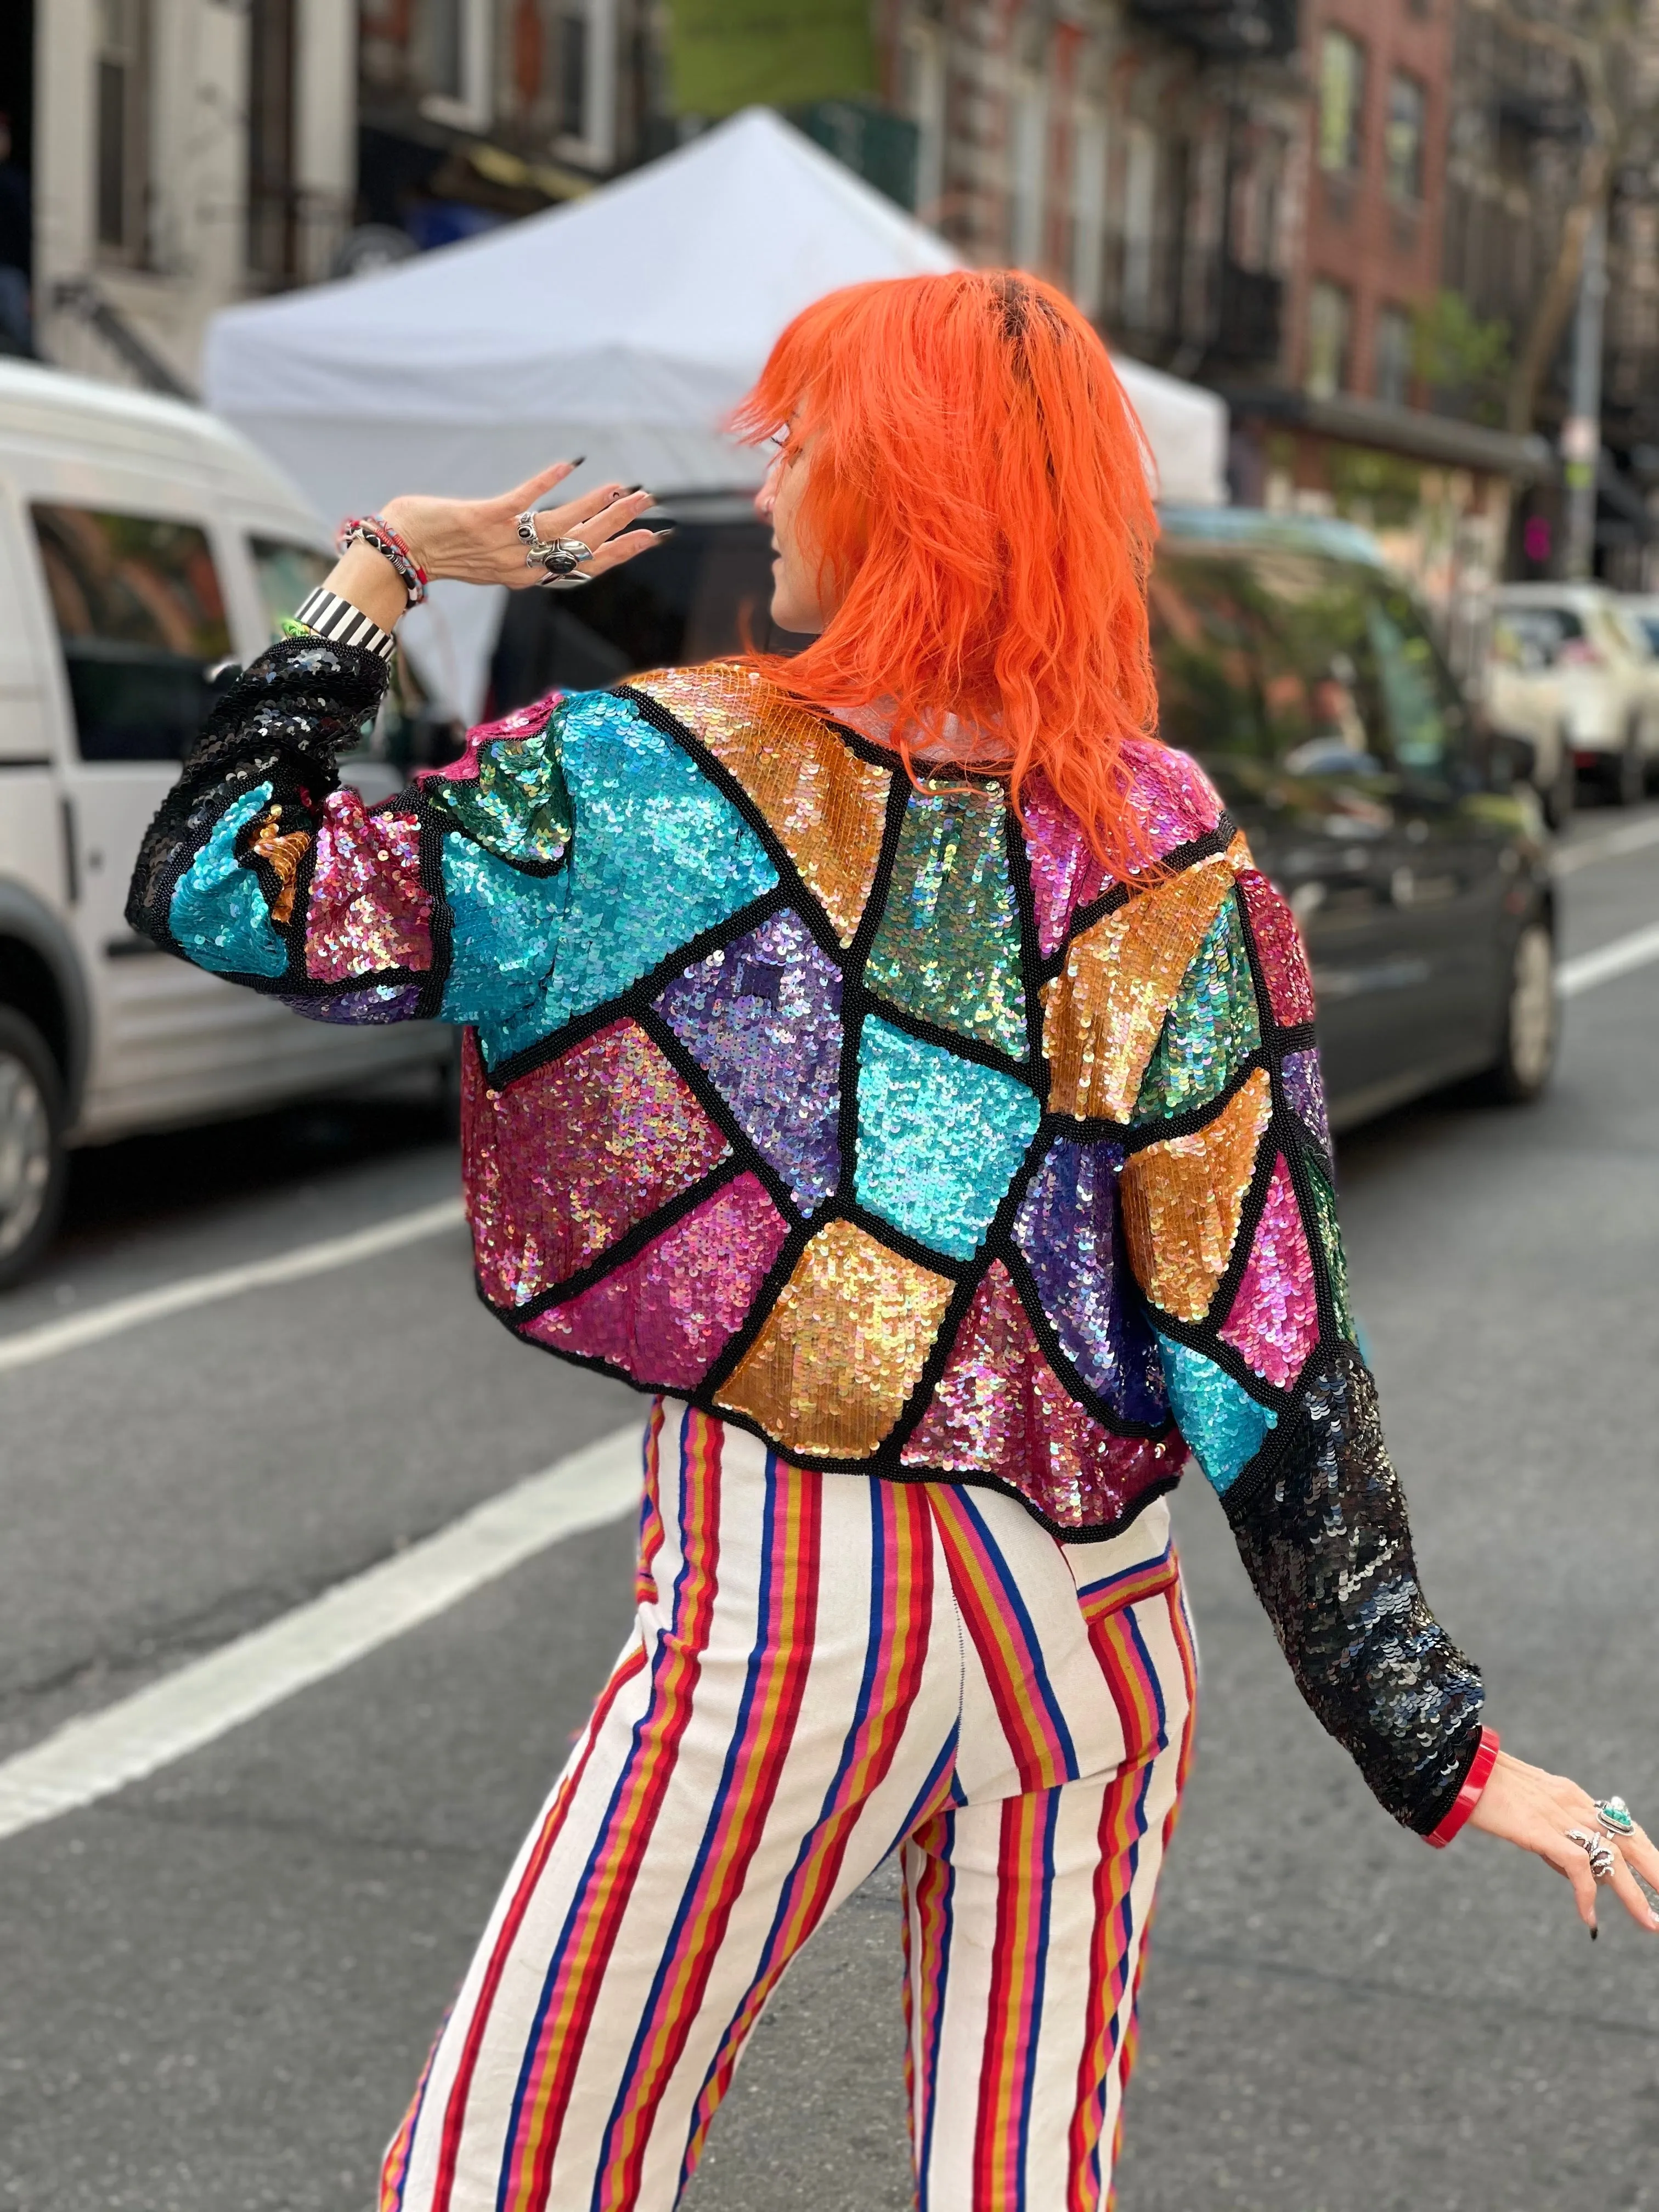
[
  {"x": 218, "y": 914},
  {"x": 1223, "y": 1424},
  {"x": 940, "y": 1138},
  {"x": 504, "y": 935},
  {"x": 516, "y": 807},
  {"x": 948, "y": 946},
  {"x": 658, "y": 855},
  {"x": 1210, "y": 1030}
]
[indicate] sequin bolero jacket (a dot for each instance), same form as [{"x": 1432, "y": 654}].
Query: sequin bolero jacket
[{"x": 863, "y": 1115}]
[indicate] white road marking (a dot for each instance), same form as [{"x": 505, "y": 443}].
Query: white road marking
[
  {"x": 1634, "y": 837},
  {"x": 1590, "y": 969},
  {"x": 102, "y": 1752},
  {"x": 50, "y": 1338}
]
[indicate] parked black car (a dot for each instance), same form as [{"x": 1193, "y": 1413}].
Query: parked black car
[{"x": 1302, "y": 675}]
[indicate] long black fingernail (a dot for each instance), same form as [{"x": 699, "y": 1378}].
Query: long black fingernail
[
  {"x": 579, "y": 458},
  {"x": 668, "y": 532},
  {"x": 1594, "y": 1932}
]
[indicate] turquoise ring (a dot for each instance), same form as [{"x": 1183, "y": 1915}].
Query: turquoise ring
[{"x": 1615, "y": 1816}]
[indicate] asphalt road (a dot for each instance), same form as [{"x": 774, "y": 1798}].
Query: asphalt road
[{"x": 216, "y": 1986}]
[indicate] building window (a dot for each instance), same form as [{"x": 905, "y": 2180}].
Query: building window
[
  {"x": 1341, "y": 101},
  {"x": 1330, "y": 311},
  {"x": 1393, "y": 355},
  {"x": 1403, "y": 139},
  {"x": 1140, "y": 224},
  {"x": 1089, "y": 153},
  {"x": 1027, "y": 156},
  {"x": 123, "y": 155},
  {"x": 587, "y": 82},
  {"x": 438, "y": 54},
  {"x": 272, "y": 200},
  {"x": 926, "y": 93}
]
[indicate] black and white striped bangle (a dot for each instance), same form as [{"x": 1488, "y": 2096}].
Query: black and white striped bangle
[{"x": 340, "y": 623}]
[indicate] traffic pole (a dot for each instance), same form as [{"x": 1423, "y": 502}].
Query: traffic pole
[{"x": 1581, "y": 432}]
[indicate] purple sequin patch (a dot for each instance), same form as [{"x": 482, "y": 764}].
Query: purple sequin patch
[
  {"x": 1065, "y": 873},
  {"x": 664, "y": 1314},
  {"x": 761, "y": 1018},
  {"x": 1305, "y": 1086},
  {"x": 369, "y": 908},
  {"x": 1274, "y": 1323},
  {"x": 381, "y": 1002},
  {"x": 571, "y": 1156},
  {"x": 1000, "y": 1409},
  {"x": 1067, "y": 1230}
]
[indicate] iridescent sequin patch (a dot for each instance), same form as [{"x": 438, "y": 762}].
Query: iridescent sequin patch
[
  {"x": 1210, "y": 1030},
  {"x": 526, "y": 722},
  {"x": 1000, "y": 1409},
  {"x": 504, "y": 933},
  {"x": 761, "y": 1018},
  {"x": 369, "y": 908},
  {"x": 939, "y": 1138},
  {"x": 664, "y": 1316},
  {"x": 1104, "y": 1011},
  {"x": 1223, "y": 1424},
  {"x": 826, "y": 807},
  {"x": 842, "y": 1348},
  {"x": 947, "y": 949},
  {"x": 571, "y": 1156},
  {"x": 366, "y": 1009},
  {"x": 514, "y": 804},
  {"x": 1182, "y": 1200},
  {"x": 1330, "y": 1241},
  {"x": 1274, "y": 1321},
  {"x": 1170, "y": 796},
  {"x": 1280, "y": 949},
  {"x": 1305, "y": 1086},
  {"x": 218, "y": 912},
  {"x": 1067, "y": 1231}
]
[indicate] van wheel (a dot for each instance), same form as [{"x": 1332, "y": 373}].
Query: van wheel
[
  {"x": 33, "y": 1162},
  {"x": 1532, "y": 1021},
  {"x": 1562, "y": 790}
]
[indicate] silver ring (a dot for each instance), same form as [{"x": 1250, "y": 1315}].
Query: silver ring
[
  {"x": 561, "y": 558},
  {"x": 1614, "y": 1816},
  {"x": 1603, "y": 1859}
]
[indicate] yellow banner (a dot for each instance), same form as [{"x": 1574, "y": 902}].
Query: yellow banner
[{"x": 727, "y": 54}]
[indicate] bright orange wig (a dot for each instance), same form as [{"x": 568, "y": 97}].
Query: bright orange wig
[{"x": 978, "y": 500}]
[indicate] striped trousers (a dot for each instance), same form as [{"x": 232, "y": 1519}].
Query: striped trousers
[{"x": 826, "y": 1670}]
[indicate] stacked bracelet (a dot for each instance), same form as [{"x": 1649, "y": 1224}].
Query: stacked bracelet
[
  {"x": 374, "y": 530},
  {"x": 1469, "y": 1796}
]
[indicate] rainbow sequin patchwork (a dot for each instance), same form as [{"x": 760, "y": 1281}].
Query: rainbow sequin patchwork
[{"x": 871, "y": 1117}]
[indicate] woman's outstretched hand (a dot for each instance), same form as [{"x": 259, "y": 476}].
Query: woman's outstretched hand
[
  {"x": 1528, "y": 1806},
  {"x": 475, "y": 541}
]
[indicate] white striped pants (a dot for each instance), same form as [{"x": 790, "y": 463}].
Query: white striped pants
[{"x": 826, "y": 1668}]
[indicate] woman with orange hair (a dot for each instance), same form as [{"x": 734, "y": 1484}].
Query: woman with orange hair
[{"x": 891, "y": 1061}]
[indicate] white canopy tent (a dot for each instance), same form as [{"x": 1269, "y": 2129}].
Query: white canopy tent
[{"x": 623, "y": 327}]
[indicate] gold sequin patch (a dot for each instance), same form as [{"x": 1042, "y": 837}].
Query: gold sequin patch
[
  {"x": 826, "y": 807},
  {"x": 1103, "y": 1014},
  {"x": 1183, "y": 1199},
  {"x": 841, "y": 1349},
  {"x": 284, "y": 854}
]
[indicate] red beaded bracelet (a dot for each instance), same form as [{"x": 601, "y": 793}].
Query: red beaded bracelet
[
  {"x": 374, "y": 530},
  {"x": 1469, "y": 1796}
]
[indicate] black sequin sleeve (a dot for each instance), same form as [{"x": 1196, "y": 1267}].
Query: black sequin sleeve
[{"x": 1231, "y": 1212}]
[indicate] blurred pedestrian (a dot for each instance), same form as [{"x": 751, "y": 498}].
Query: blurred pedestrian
[
  {"x": 16, "y": 323},
  {"x": 892, "y": 1060}
]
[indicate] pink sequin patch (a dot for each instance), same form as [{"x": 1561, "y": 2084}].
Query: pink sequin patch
[
  {"x": 1274, "y": 1323},
  {"x": 369, "y": 908},
  {"x": 523, "y": 722},
  {"x": 1278, "y": 944},
  {"x": 664, "y": 1315},
  {"x": 1000, "y": 1409},
  {"x": 1171, "y": 797},
  {"x": 1065, "y": 873},
  {"x": 571, "y": 1156}
]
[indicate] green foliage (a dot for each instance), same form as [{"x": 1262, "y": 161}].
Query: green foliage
[{"x": 1453, "y": 352}]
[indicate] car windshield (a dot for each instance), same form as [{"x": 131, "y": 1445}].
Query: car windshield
[{"x": 1534, "y": 636}]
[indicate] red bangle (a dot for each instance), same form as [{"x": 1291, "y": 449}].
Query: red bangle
[{"x": 1469, "y": 1795}]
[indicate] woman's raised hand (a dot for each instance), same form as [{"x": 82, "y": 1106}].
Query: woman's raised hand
[
  {"x": 1538, "y": 1812},
  {"x": 476, "y": 540}
]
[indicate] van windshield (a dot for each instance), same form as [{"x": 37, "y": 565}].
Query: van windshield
[{"x": 140, "y": 620}]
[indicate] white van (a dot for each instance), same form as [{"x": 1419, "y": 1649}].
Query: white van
[{"x": 142, "y": 545}]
